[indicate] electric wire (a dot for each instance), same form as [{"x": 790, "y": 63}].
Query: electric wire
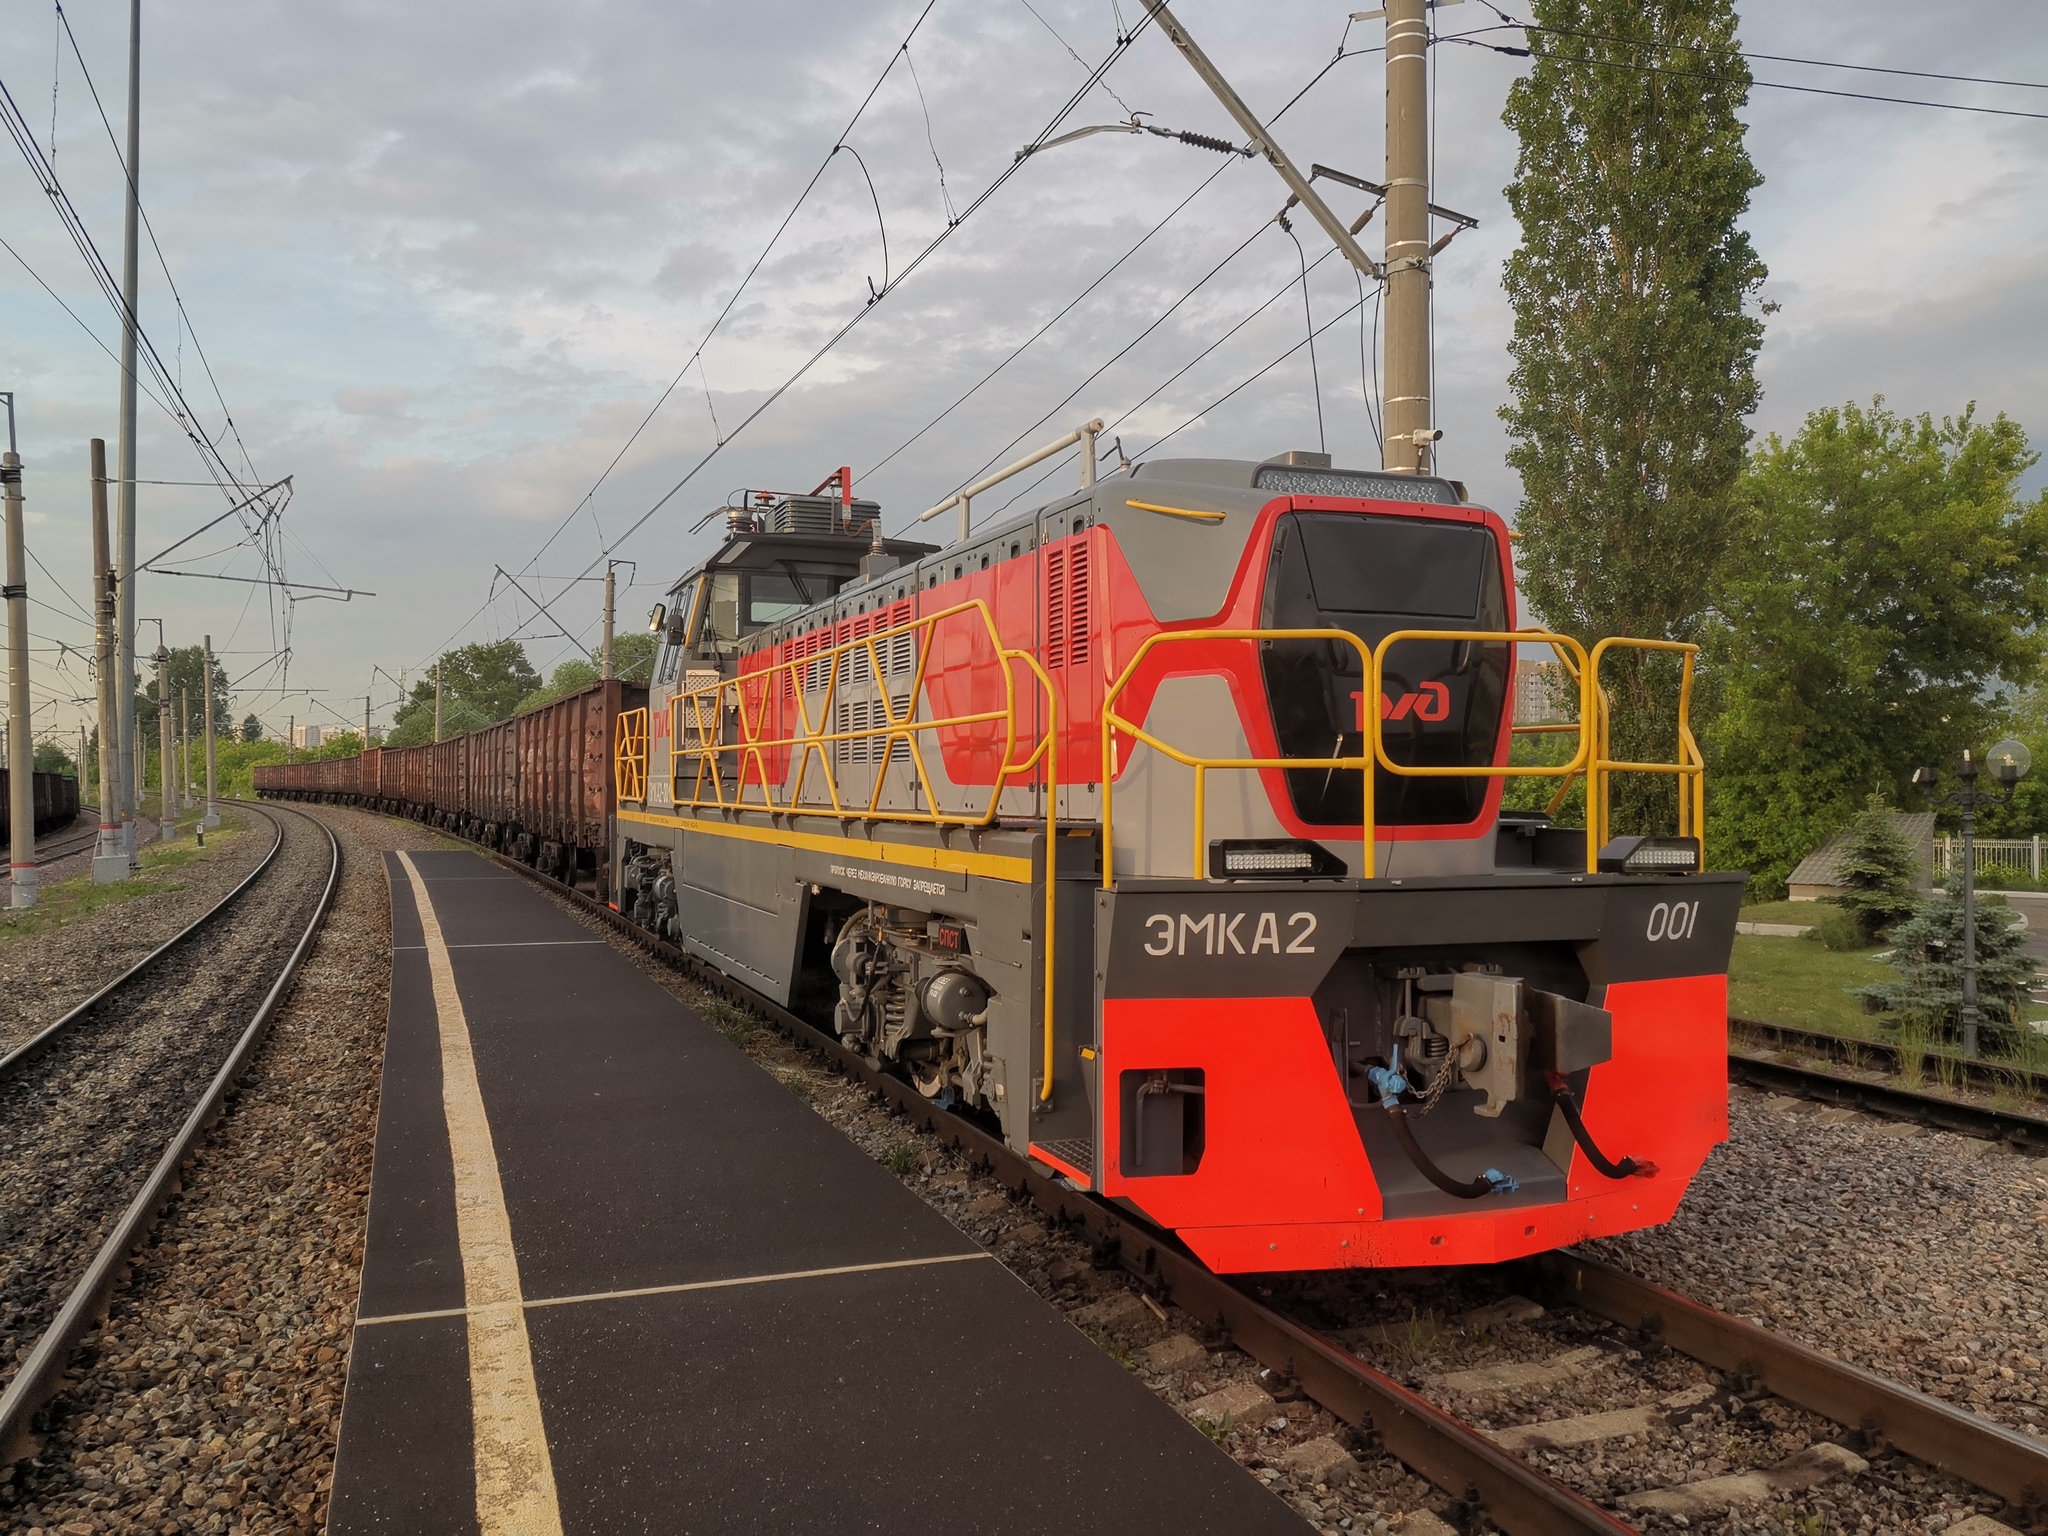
[
  {"x": 923, "y": 255},
  {"x": 1336, "y": 58},
  {"x": 1163, "y": 316},
  {"x": 185, "y": 319},
  {"x": 726, "y": 310},
  {"x": 1278, "y": 294},
  {"x": 1309, "y": 319},
  {"x": 1472, "y": 41},
  {"x": 1774, "y": 58}
]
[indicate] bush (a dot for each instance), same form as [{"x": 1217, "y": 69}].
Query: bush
[
  {"x": 1877, "y": 868},
  {"x": 1836, "y": 930},
  {"x": 1928, "y": 954}
]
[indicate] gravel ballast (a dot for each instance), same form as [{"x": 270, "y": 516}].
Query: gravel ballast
[
  {"x": 45, "y": 973},
  {"x": 209, "y": 1399},
  {"x": 1916, "y": 1253}
]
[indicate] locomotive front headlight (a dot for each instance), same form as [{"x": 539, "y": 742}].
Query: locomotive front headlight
[
  {"x": 1651, "y": 856},
  {"x": 1272, "y": 859}
]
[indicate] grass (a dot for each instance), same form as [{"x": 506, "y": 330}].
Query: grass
[
  {"x": 1803, "y": 913},
  {"x": 736, "y": 1024},
  {"x": 67, "y": 901},
  {"x": 900, "y": 1158},
  {"x": 1790, "y": 981}
]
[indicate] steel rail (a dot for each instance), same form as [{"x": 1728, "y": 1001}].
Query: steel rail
[
  {"x": 36, "y": 1044},
  {"x": 41, "y": 1372},
  {"x": 1437, "y": 1445},
  {"x": 1458, "y": 1458},
  {"x": 2027, "y": 1132},
  {"x": 1987, "y": 1455},
  {"x": 1853, "y": 1051}
]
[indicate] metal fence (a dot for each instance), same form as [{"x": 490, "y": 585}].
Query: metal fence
[{"x": 2003, "y": 855}]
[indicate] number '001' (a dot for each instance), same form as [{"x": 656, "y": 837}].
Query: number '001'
[{"x": 1672, "y": 920}]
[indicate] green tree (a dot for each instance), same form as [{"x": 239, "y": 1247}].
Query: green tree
[
  {"x": 1635, "y": 340},
  {"x": 187, "y": 668},
  {"x": 51, "y": 758},
  {"x": 571, "y": 675},
  {"x": 1927, "y": 951},
  {"x": 633, "y": 656},
  {"x": 482, "y": 683},
  {"x": 252, "y": 728},
  {"x": 1876, "y": 870},
  {"x": 1891, "y": 592}
]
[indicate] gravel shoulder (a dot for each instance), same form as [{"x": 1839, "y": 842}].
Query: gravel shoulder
[
  {"x": 1913, "y": 1252},
  {"x": 209, "y": 1399},
  {"x": 45, "y": 971}
]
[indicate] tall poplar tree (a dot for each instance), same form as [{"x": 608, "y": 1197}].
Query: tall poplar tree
[{"x": 1635, "y": 338}]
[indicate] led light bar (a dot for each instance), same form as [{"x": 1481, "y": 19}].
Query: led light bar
[
  {"x": 1273, "y": 859},
  {"x": 1651, "y": 856}
]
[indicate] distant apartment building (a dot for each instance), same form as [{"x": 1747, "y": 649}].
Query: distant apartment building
[
  {"x": 308, "y": 738},
  {"x": 1543, "y": 693}
]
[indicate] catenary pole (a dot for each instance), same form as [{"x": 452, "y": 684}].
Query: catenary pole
[
  {"x": 110, "y": 857},
  {"x": 366, "y": 722},
  {"x": 1408, "y": 411},
  {"x": 212, "y": 817},
  {"x": 21, "y": 747},
  {"x": 437, "y": 701},
  {"x": 163, "y": 741},
  {"x": 129, "y": 678},
  {"x": 184, "y": 747},
  {"x": 610, "y": 591}
]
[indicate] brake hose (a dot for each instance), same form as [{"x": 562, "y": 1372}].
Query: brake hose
[
  {"x": 1567, "y": 1101},
  {"x": 1490, "y": 1182},
  {"x": 1392, "y": 1085}
]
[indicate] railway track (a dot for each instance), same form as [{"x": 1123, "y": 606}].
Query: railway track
[
  {"x": 1965, "y": 1117},
  {"x": 1879, "y": 1056},
  {"x": 99, "y": 1109},
  {"x": 1476, "y": 1465}
]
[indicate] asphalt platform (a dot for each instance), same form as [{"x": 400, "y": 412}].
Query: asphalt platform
[{"x": 619, "y": 1279}]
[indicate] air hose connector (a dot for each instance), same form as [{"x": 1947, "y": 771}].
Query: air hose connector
[{"x": 1568, "y": 1102}]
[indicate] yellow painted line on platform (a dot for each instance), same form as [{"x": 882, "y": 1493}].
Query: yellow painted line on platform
[
  {"x": 990, "y": 866},
  {"x": 693, "y": 1285},
  {"x": 515, "y": 1477}
]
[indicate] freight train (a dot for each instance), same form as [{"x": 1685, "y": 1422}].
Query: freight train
[
  {"x": 55, "y": 800},
  {"x": 1162, "y": 827}
]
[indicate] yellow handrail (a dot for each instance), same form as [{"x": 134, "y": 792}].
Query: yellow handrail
[
  {"x": 1592, "y": 757},
  {"x": 1112, "y": 723},
  {"x": 748, "y": 698},
  {"x": 629, "y": 754},
  {"x": 699, "y": 738},
  {"x": 1690, "y": 766}
]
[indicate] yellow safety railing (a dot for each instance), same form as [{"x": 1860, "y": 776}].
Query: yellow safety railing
[
  {"x": 1112, "y": 722},
  {"x": 1689, "y": 766},
  {"x": 629, "y": 754},
  {"x": 701, "y": 749},
  {"x": 1591, "y": 757}
]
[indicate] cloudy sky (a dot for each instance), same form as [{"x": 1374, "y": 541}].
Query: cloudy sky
[{"x": 443, "y": 259}]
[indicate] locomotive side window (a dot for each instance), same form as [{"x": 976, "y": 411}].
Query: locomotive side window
[
  {"x": 718, "y": 630},
  {"x": 1442, "y": 700}
]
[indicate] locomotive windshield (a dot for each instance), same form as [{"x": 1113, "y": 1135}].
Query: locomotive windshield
[{"x": 1442, "y": 700}]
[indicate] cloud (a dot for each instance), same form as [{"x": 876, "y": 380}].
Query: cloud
[{"x": 443, "y": 260}]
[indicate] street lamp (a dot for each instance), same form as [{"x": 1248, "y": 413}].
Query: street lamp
[{"x": 2009, "y": 762}]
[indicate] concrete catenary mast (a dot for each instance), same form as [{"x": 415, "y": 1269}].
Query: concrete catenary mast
[{"x": 128, "y": 678}]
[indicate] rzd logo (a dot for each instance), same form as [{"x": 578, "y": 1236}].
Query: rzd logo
[{"x": 1432, "y": 703}]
